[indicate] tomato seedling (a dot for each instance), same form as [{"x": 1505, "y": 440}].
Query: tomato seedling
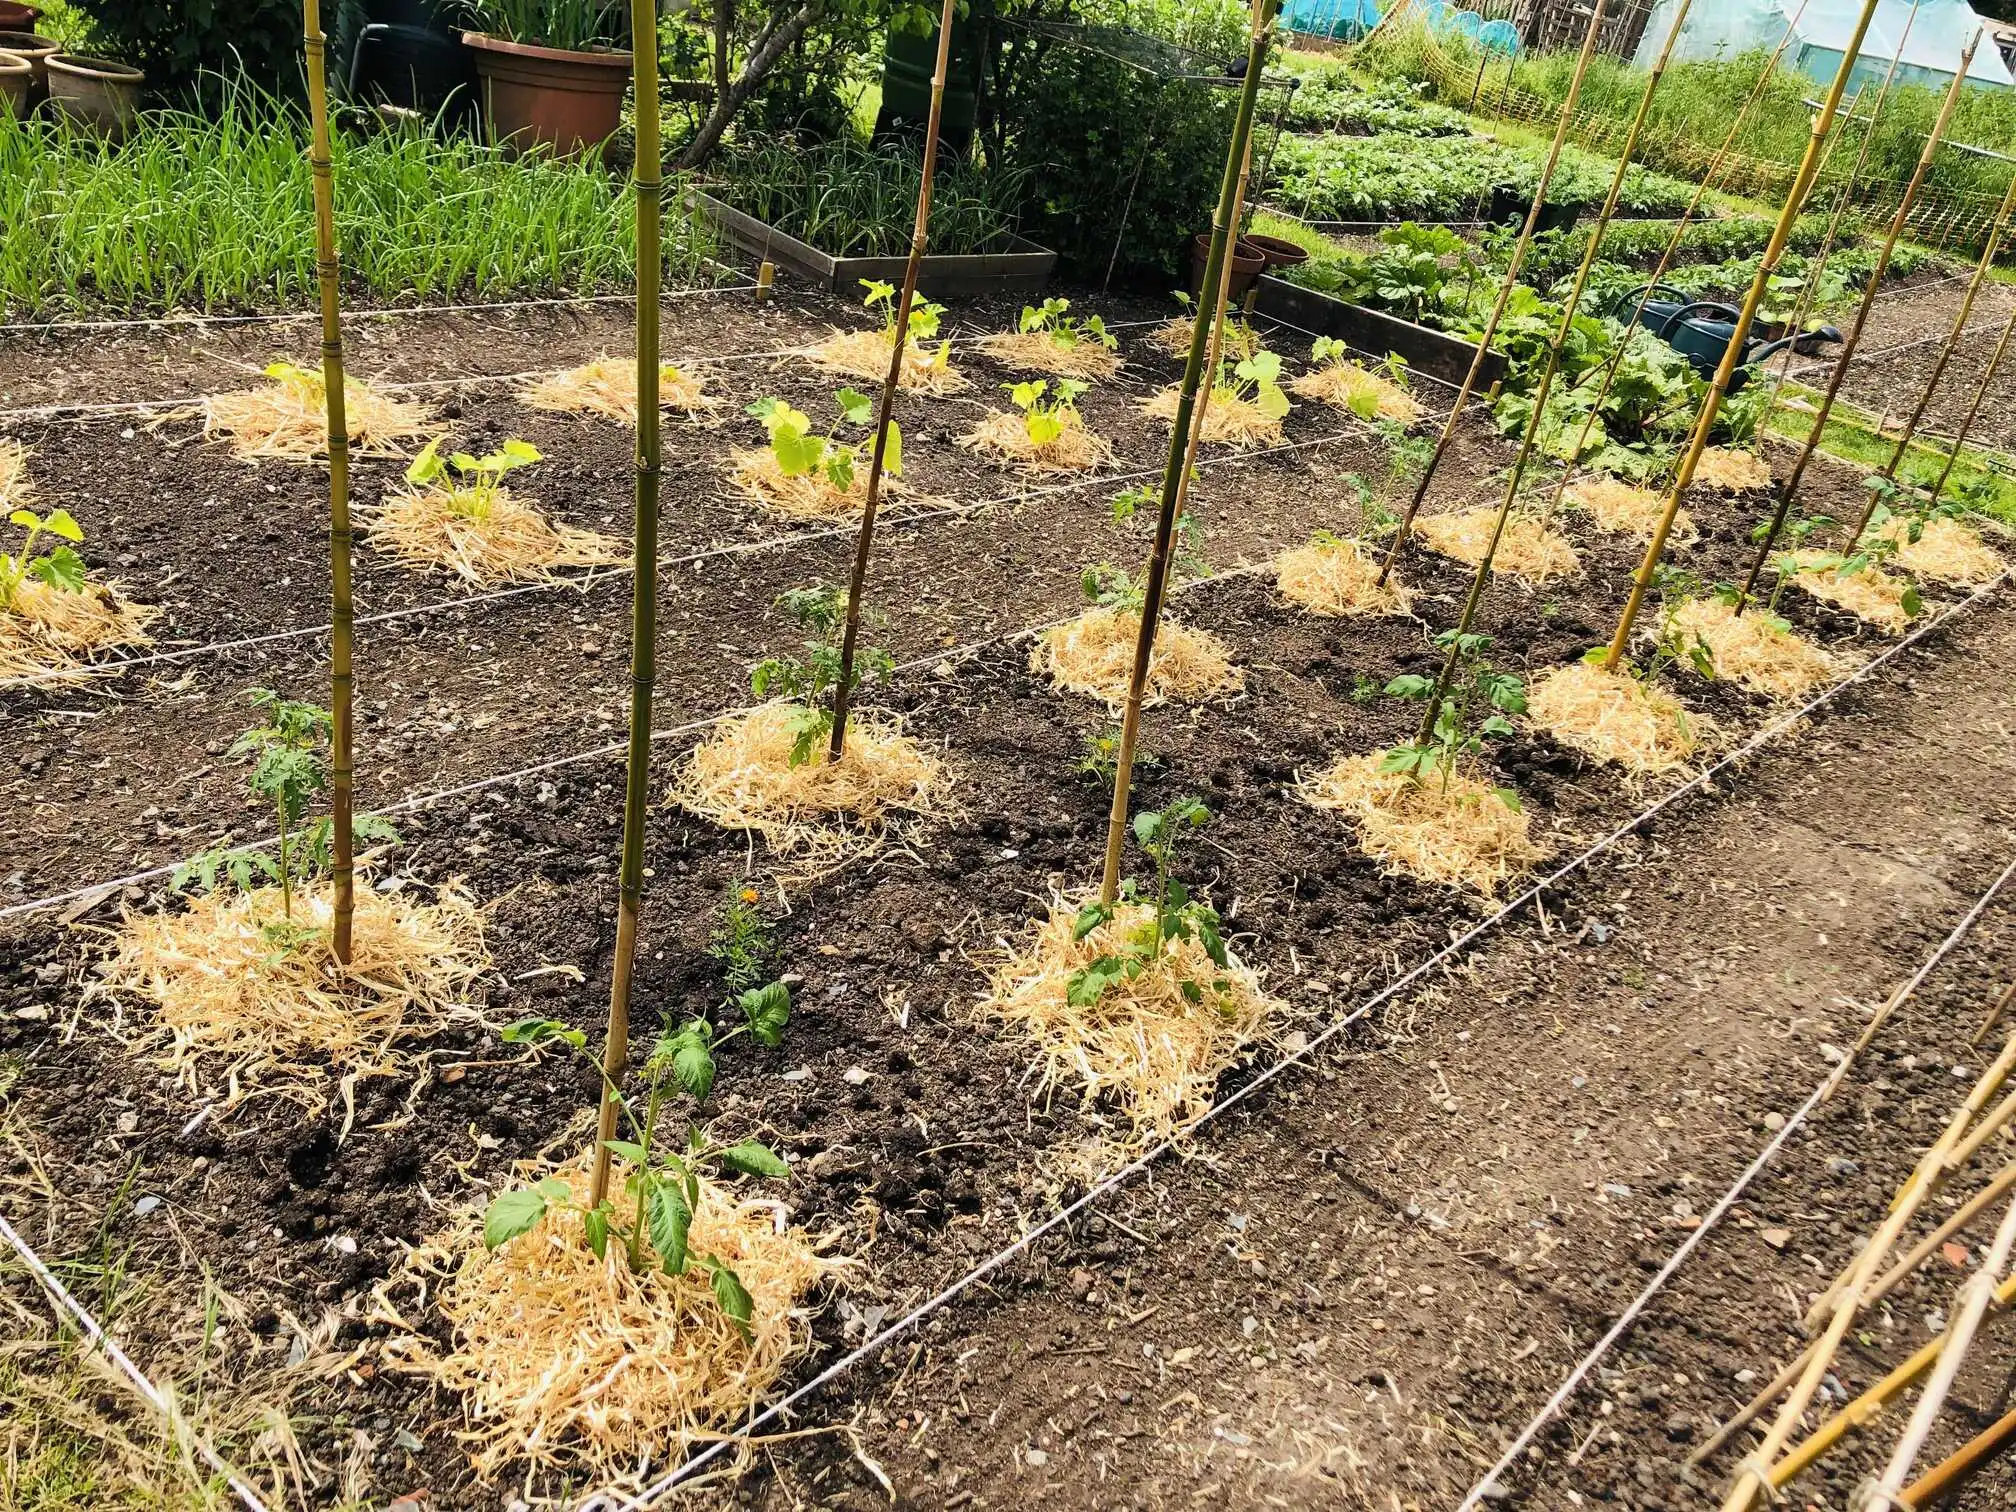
[
  {"x": 822, "y": 611},
  {"x": 1452, "y": 733},
  {"x": 1173, "y": 915}
]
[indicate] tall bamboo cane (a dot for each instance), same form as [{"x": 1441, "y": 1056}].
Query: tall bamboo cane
[
  {"x": 864, "y": 540},
  {"x": 1945, "y": 355},
  {"x": 1974, "y": 407},
  {"x": 1505, "y": 288},
  {"x": 1789, "y": 489},
  {"x": 647, "y": 175},
  {"x": 1709, "y": 179},
  {"x": 1223, "y": 223},
  {"x": 1711, "y": 404},
  {"x": 1481, "y": 578},
  {"x": 342, "y": 682}
]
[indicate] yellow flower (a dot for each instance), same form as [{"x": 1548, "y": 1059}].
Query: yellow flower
[{"x": 749, "y": 895}]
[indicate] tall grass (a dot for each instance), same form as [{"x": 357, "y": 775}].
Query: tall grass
[{"x": 196, "y": 213}]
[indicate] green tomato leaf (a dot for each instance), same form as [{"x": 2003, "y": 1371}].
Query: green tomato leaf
[
  {"x": 595, "y": 1229},
  {"x": 734, "y": 1298},
  {"x": 511, "y": 1214},
  {"x": 754, "y": 1159},
  {"x": 668, "y": 1219},
  {"x": 634, "y": 1153}
]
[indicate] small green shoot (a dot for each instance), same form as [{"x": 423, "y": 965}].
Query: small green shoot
[{"x": 820, "y": 610}]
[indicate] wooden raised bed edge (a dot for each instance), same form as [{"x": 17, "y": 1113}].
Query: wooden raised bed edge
[
  {"x": 1026, "y": 268},
  {"x": 1433, "y": 352}
]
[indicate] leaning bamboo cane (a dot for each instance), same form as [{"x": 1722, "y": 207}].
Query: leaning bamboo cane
[
  {"x": 647, "y": 181},
  {"x": 1481, "y": 578},
  {"x": 1974, "y": 405},
  {"x": 1959, "y": 1467},
  {"x": 1789, "y": 489},
  {"x": 1505, "y": 287},
  {"x": 1710, "y": 178},
  {"x": 1224, "y": 221},
  {"x": 342, "y": 681},
  {"x": 1965, "y": 1322},
  {"x": 864, "y": 540},
  {"x": 1711, "y": 404},
  {"x": 1946, "y": 351}
]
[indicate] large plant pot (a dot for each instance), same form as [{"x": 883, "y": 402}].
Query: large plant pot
[
  {"x": 14, "y": 16},
  {"x": 16, "y": 75},
  {"x": 38, "y": 51},
  {"x": 1248, "y": 263},
  {"x": 97, "y": 93},
  {"x": 548, "y": 97},
  {"x": 1278, "y": 250}
]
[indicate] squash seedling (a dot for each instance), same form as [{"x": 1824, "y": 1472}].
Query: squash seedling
[
  {"x": 820, "y": 610},
  {"x": 1046, "y": 413},
  {"x": 1451, "y": 733},
  {"x": 799, "y": 453},
  {"x": 1173, "y": 914},
  {"x": 58, "y": 567},
  {"x": 1370, "y": 393},
  {"x": 925, "y": 319},
  {"x": 1052, "y": 319},
  {"x": 470, "y": 484},
  {"x": 1254, "y": 380}
]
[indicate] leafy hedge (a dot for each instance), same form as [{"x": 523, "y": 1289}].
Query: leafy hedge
[{"x": 178, "y": 41}]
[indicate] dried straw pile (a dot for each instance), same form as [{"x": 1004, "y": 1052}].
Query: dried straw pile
[
  {"x": 1144, "y": 1046},
  {"x": 821, "y": 814},
  {"x": 1612, "y": 716},
  {"x": 241, "y": 1008},
  {"x": 809, "y": 496},
  {"x": 1732, "y": 471},
  {"x": 1239, "y": 342},
  {"x": 1094, "y": 654},
  {"x": 1359, "y": 391},
  {"x": 1228, "y": 418},
  {"x": 1034, "y": 351},
  {"x": 1335, "y": 578},
  {"x": 1871, "y": 594},
  {"x": 609, "y": 389},
  {"x": 1616, "y": 506},
  {"x": 1458, "y": 833},
  {"x": 1756, "y": 648},
  {"x": 16, "y": 490},
  {"x": 566, "y": 1361},
  {"x": 510, "y": 542},
  {"x": 1076, "y": 448},
  {"x": 1524, "y": 551},
  {"x": 1946, "y": 551},
  {"x": 286, "y": 419},
  {"x": 865, "y": 355},
  {"x": 51, "y": 634}
]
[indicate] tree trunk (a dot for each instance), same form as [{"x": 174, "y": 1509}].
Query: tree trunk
[{"x": 728, "y": 101}]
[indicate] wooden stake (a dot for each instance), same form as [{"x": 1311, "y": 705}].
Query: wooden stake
[
  {"x": 1223, "y": 226},
  {"x": 1711, "y": 404},
  {"x": 1505, "y": 287},
  {"x": 342, "y": 681},
  {"x": 647, "y": 179},
  {"x": 1789, "y": 489},
  {"x": 1953, "y": 1472}
]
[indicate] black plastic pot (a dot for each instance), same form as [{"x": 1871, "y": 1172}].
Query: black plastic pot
[{"x": 409, "y": 54}]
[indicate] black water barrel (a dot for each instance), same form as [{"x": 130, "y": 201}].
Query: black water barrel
[
  {"x": 909, "y": 60},
  {"x": 409, "y": 53}
]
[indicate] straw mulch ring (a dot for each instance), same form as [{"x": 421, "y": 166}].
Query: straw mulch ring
[
  {"x": 15, "y": 488},
  {"x": 808, "y": 496},
  {"x": 820, "y": 814},
  {"x": 1756, "y": 648},
  {"x": 1359, "y": 391},
  {"x": 1143, "y": 1046},
  {"x": 287, "y": 419},
  {"x": 1946, "y": 551},
  {"x": 242, "y": 1009},
  {"x": 1076, "y": 448},
  {"x": 1227, "y": 419},
  {"x": 1871, "y": 594},
  {"x": 609, "y": 389},
  {"x": 1335, "y": 578},
  {"x": 51, "y": 634},
  {"x": 1034, "y": 351},
  {"x": 1732, "y": 471},
  {"x": 1618, "y": 507},
  {"x": 865, "y": 355},
  {"x": 566, "y": 1361},
  {"x": 509, "y": 541},
  {"x": 1239, "y": 341},
  {"x": 1612, "y": 716},
  {"x": 1094, "y": 654},
  {"x": 1457, "y": 832},
  {"x": 1525, "y": 551}
]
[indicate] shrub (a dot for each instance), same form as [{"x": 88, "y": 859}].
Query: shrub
[{"x": 178, "y": 41}]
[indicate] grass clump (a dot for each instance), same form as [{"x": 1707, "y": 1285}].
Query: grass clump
[
  {"x": 1334, "y": 577},
  {"x": 1525, "y": 550},
  {"x": 16, "y": 488},
  {"x": 288, "y": 418},
  {"x": 1094, "y": 653},
  {"x": 609, "y": 390}
]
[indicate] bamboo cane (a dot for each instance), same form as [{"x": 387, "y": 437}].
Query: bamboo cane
[
  {"x": 1481, "y": 578},
  {"x": 1977, "y": 1292},
  {"x": 342, "y": 681},
  {"x": 1938, "y": 372},
  {"x": 1717, "y": 164},
  {"x": 1505, "y": 287},
  {"x": 1223, "y": 224},
  {"x": 864, "y": 540},
  {"x": 1974, "y": 406},
  {"x": 1711, "y": 404},
  {"x": 647, "y": 175},
  {"x": 1953, "y": 1472},
  {"x": 1789, "y": 489}
]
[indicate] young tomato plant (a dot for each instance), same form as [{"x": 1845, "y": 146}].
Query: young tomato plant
[
  {"x": 1045, "y": 422},
  {"x": 1065, "y": 330},
  {"x": 1133, "y": 502},
  {"x": 1671, "y": 644},
  {"x": 470, "y": 484},
  {"x": 1108, "y": 587},
  {"x": 925, "y": 318},
  {"x": 821, "y": 611},
  {"x": 1455, "y": 733},
  {"x": 799, "y": 453},
  {"x": 60, "y": 567},
  {"x": 1173, "y": 914},
  {"x": 1102, "y": 756}
]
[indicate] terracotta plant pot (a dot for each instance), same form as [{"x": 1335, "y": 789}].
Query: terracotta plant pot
[
  {"x": 14, "y": 16},
  {"x": 38, "y": 51},
  {"x": 544, "y": 96},
  {"x": 16, "y": 75},
  {"x": 97, "y": 93},
  {"x": 1248, "y": 263},
  {"x": 1278, "y": 250}
]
